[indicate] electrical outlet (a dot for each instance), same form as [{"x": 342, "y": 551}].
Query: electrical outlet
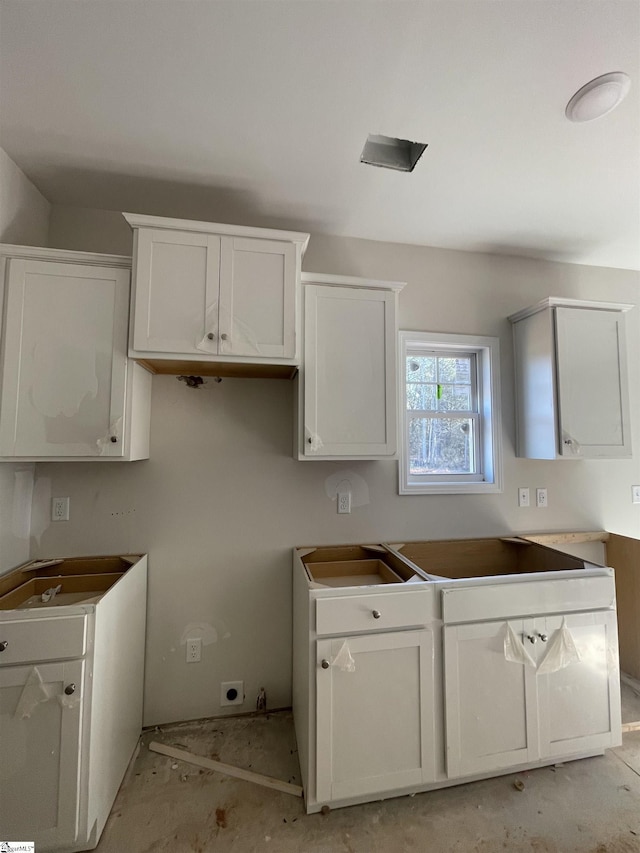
[
  {"x": 232, "y": 693},
  {"x": 194, "y": 650},
  {"x": 344, "y": 502},
  {"x": 541, "y": 498},
  {"x": 523, "y": 497},
  {"x": 59, "y": 509},
  {"x": 635, "y": 494}
]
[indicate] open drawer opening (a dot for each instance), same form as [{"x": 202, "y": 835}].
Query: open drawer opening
[{"x": 356, "y": 565}]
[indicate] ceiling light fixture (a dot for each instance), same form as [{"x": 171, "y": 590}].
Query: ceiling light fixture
[{"x": 598, "y": 97}]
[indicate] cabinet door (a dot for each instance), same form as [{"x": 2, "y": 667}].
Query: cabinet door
[
  {"x": 176, "y": 292},
  {"x": 579, "y": 705},
  {"x": 488, "y": 700},
  {"x": 375, "y": 725},
  {"x": 349, "y": 372},
  {"x": 592, "y": 383},
  {"x": 40, "y": 752},
  {"x": 64, "y": 360},
  {"x": 257, "y": 298}
]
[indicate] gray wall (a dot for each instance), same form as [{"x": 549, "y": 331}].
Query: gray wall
[
  {"x": 24, "y": 220},
  {"x": 221, "y": 501}
]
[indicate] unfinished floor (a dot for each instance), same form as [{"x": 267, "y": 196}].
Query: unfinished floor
[{"x": 588, "y": 806}]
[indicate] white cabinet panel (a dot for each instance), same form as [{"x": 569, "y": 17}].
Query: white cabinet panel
[
  {"x": 366, "y": 745},
  {"x": 349, "y": 403},
  {"x": 40, "y": 751},
  {"x": 488, "y": 724},
  {"x": 579, "y": 705},
  {"x": 176, "y": 301},
  {"x": 67, "y": 386},
  {"x": 592, "y": 383},
  {"x": 572, "y": 396}
]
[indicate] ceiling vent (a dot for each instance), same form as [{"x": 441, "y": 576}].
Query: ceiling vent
[{"x": 391, "y": 153}]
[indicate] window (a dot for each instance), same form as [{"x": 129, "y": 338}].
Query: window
[{"x": 450, "y": 393}]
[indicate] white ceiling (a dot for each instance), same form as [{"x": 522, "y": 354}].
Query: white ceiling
[{"x": 256, "y": 113}]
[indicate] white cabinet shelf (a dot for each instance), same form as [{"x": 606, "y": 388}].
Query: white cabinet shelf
[
  {"x": 68, "y": 389},
  {"x": 347, "y": 392},
  {"x": 572, "y": 397},
  {"x": 211, "y": 297}
]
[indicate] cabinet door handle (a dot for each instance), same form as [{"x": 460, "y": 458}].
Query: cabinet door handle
[
  {"x": 114, "y": 439},
  {"x": 532, "y": 638},
  {"x": 543, "y": 637},
  {"x": 211, "y": 336},
  {"x": 376, "y": 614},
  {"x": 3, "y": 645},
  {"x": 325, "y": 663},
  {"x": 224, "y": 337},
  {"x": 70, "y": 689}
]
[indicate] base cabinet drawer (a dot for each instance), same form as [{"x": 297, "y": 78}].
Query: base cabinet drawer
[
  {"x": 375, "y": 612},
  {"x": 59, "y": 638}
]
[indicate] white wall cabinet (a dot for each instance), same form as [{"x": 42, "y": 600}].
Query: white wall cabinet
[
  {"x": 347, "y": 392},
  {"x": 210, "y": 294},
  {"x": 71, "y": 678},
  {"x": 572, "y": 397},
  {"x": 68, "y": 389},
  {"x": 366, "y": 744}
]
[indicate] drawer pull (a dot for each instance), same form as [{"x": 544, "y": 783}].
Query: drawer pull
[
  {"x": 3, "y": 645},
  {"x": 376, "y": 614},
  {"x": 325, "y": 663},
  {"x": 70, "y": 689}
]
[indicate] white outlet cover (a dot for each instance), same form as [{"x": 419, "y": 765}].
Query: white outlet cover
[
  {"x": 635, "y": 494},
  {"x": 226, "y": 691}
]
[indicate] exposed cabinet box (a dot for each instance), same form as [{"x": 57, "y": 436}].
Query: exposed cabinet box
[
  {"x": 347, "y": 391},
  {"x": 68, "y": 389},
  {"x": 572, "y": 397},
  {"x": 216, "y": 299},
  {"x": 71, "y": 678},
  {"x": 396, "y": 689}
]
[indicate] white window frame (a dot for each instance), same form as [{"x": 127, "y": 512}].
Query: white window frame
[{"x": 487, "y": 352}]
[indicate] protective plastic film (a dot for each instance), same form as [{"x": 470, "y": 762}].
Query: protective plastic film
[
  {"x": 344, "y": 660},
  {"x": 562, "y": 652},
  {"x": 514, "y": 649}
]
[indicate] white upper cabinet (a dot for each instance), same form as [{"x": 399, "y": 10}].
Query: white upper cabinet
[
  {"x": 68, "y": 388},
  {"x": 572, "y": 397},
  {"x": 214, "y": 295},
  {"x": 348, "y": 388}
]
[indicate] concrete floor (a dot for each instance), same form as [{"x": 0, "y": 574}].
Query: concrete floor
[{"x": 587, "y": 806}]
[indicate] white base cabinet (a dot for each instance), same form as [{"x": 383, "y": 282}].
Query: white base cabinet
[
  {"x": 405, "y": 681},
  {"x": 572, "y": 395},
  {"x": 71, "y": 679},
  {"x": 68, "y": 389}
]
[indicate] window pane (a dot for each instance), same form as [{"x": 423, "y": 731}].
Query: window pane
[
  {"x": 441, "y": 446},
  {"x": 421, "y": 396},
  {"x": 454, "y": 369},
  {"x": 421, "y": 368},
  {"x": 454, "y": 398}
]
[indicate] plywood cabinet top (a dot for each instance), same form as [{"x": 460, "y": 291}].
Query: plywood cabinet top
[{"x": 136, "y": 220}]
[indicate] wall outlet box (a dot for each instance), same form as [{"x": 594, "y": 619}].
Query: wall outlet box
[
  {"x": 232, "y": 693},
  {"x": 344, "y": 502},
  {"x": 194, "y": 650},
  {"x": 59, "y": 509}
]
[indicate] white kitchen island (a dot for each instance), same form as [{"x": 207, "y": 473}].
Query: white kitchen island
[{"x": 431, "y": 664}]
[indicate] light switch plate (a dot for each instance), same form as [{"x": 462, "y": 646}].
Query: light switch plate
[
  {"x": 523, "y": 497},
  {"x": 635, "y": 494}
]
